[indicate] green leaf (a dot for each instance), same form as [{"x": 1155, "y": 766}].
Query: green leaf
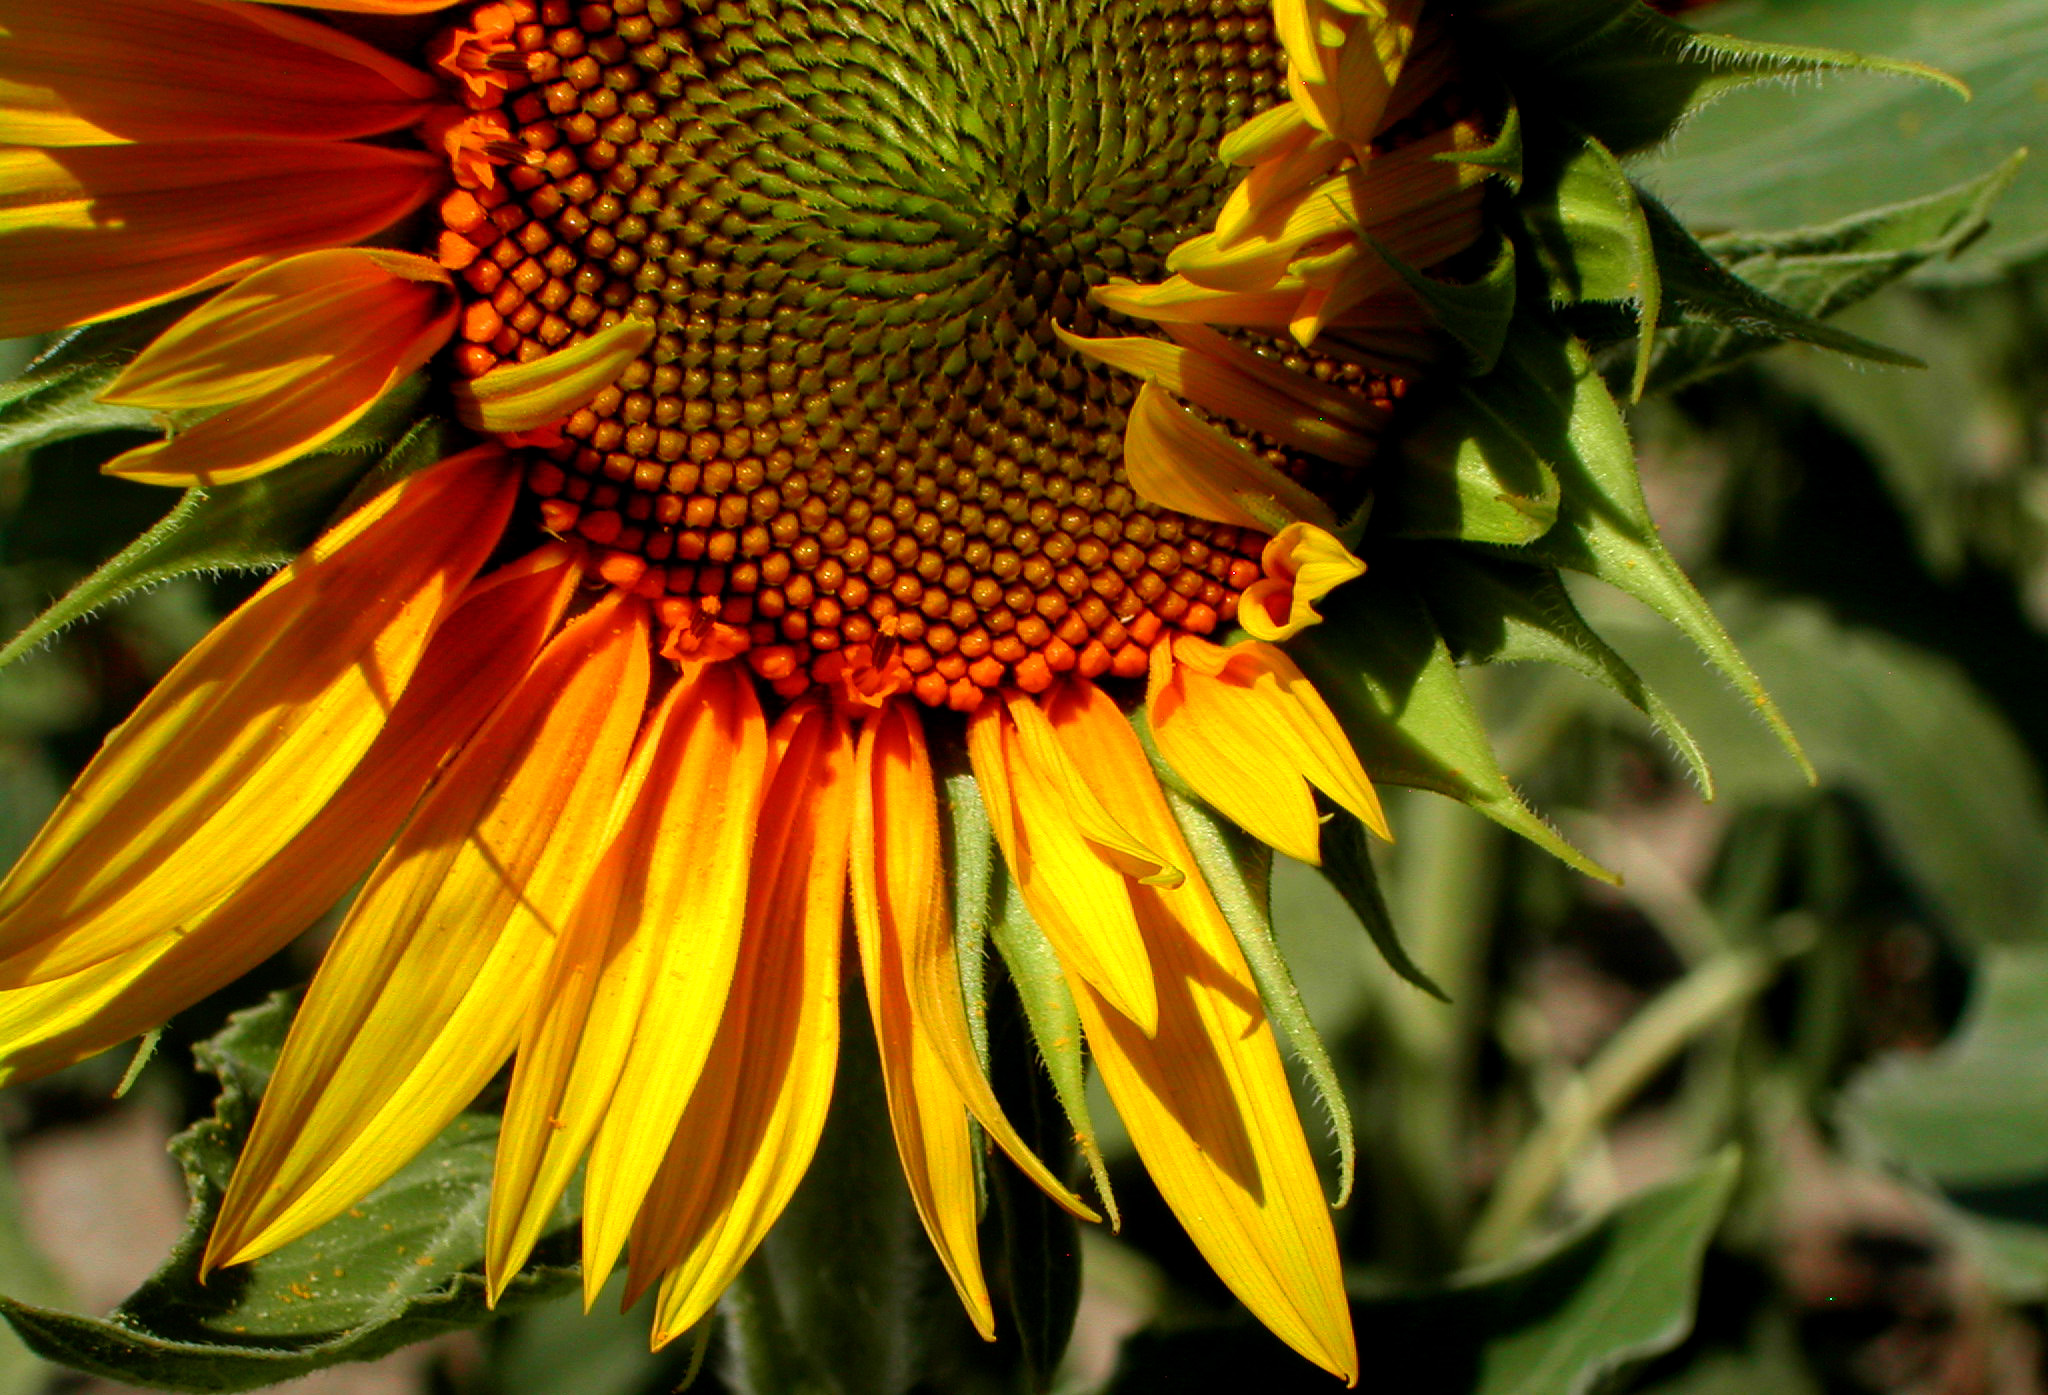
[
  {"x": 398, "y": 1267},
  {"x": 1379, "y": 662},
  {"x": 1561, "y": 1323},
  {"x": 1746, "y": 293},
  {"x": 1476, "y": 314},
  {"x": 1971, "y": 1118},
  {"x": 1591, "y": 235},
  {"x": 1239, "y": 870},
  {"x": 1950, "y": 788},
  {"x": 1604, "y": 527},
  {"x": 1492, "y": 611},
  {"x": 1628, "y": 75},
  {"x": 972, "y": 869},
  {"x": 1803, "y": 155},
  {"x": 1465, "y": 470},
  {"x": 1347, "y": 863},
  {"x": 26, "y": 1274}
]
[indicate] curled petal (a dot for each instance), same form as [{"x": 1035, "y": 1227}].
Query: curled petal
[
  {"x": 528, "y": 396},
  {"x": 1302, "y": 564},
  {"x": 297, "y": 352}
]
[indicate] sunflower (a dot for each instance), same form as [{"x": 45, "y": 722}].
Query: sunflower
[{"x": 852, "y": 388}]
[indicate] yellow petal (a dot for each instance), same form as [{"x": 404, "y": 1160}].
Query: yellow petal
[
  {"x": 1114, "y": 843},
  {"x": 899, "y": 906},
  {"x": 1271, "y": 133},
  {"x": 1181, "y": 463},
  {"x": 420, "y": 997},
  {"x": 369, "y": 7},
  {"x": 753, "y": 1124},
  {"x": 1256, "y": 393},
  {"x": 1209, "y": 745},
  {"x": 528, "y": 396},
  {"x": 1081, "y": 902},
  {"x": 94, "y": 232},
  {"x": 690, "y": 871},
  {"x": 1277, "y": 180},
  {"x": 1178, "y": 300},
  {"x": 102, "y": 72},
  {"x": 927, "y": 1112},
  {"x": 241, "y": 743},
  {"x": 475, "y": 659},
  {"x": 1302, "y": 564},
  {"x": 301, "y": 349},
  {"x": 1205, "y": 1097}
]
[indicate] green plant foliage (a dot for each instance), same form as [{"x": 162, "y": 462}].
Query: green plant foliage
[
  {"x": 396, "y": 1268},
  {"x": 1558, "y": 1323},
  {"x": 1347, "y": 863},
  {"x": 1797, "y": 156}
]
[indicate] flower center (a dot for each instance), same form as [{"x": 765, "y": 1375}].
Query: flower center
[{"x": 855, "y": 227}]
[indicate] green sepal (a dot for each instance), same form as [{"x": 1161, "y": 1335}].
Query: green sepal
[
  {"x": 1034, "y": 969},
  {"x": 1627, "y": 75},
  {"x": 971, "y": 873},
  {"x": 1347, "y": 865},
  {"x": 1476, "y": 314},
  {"x": 1239, "y": 871},
  {"x": 398, "y": 1267},
  {"x": 1503, "y": 157},
  {"x": 257, "y": 525},
  {"x": 1389, "y": 678},
  {"x": 1492, "y": 610},
  {"x": 1604, "y": 527},
  {"x": 56, "y": 397},
  {"x": 1808, "y": 274},
  {"x": 1591, "y": 235},
  {"x": 1466, "y": 470}
]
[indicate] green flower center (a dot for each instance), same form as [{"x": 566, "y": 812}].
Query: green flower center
[{"x": 854, "y": 226}]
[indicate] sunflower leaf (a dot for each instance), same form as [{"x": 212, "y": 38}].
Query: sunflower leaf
[
  {"x": 1467, "y": 471},
  {"x": 1347, "y": 864},
  {"x": 1604, "y": 527},
  {"x": 57, "y": 396},
  {"x": 1495, "y": 611},
  {"x": 1628, "y": 75},
  {"x": 1476, "y": 314},
  {"x": 1239, "y": 871},
  {"x": 1387, "y": 674},
  {"x": 400, "y": 1266}
]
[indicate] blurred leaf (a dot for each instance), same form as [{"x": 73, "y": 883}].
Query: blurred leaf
[
  {"x": 1604, "y": 527},
  {"x": 1628, "y": 75},
  {"x": 1756, "y": 281},
  {"x": 1239, "y": 871},
  {"x": 1561, "y": 1323},
  {"x": 1379, "y": 662},
  {"x": 1971, "y": 1118},
  {"x": 1796, "y": 155},
  {"x": 557, "y": 1346},
  {"x": 25, "y": 1274},
  {"x": 1950, "y": 788},
  {"x": 1494, "y": 611},
  {"x": 1347, "y": 862},
  {"x": 398, "y": 1267}
]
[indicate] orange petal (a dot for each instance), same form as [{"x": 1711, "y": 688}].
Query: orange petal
[
  {"x": 753, "y": 1124},
  {"x": 301, "y": 349},
  {"x": 1204, "y": 1096},
  {"x": 1081, "y": 902},
  {"x": 1181, "y": 463},
  {"x": 528, "y": 396},
  {"x": 241, "y": 744},
  {"x": 103, "y": 72},
  {"x": 899, "y": 903},
  {"x": 420, "y": 997},
  {"x": 475, "y": 659},
  {"x": 926, "y": 1109},
  {"x": 94, "y": 232},
  {"x": 368, "y": 7}
]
